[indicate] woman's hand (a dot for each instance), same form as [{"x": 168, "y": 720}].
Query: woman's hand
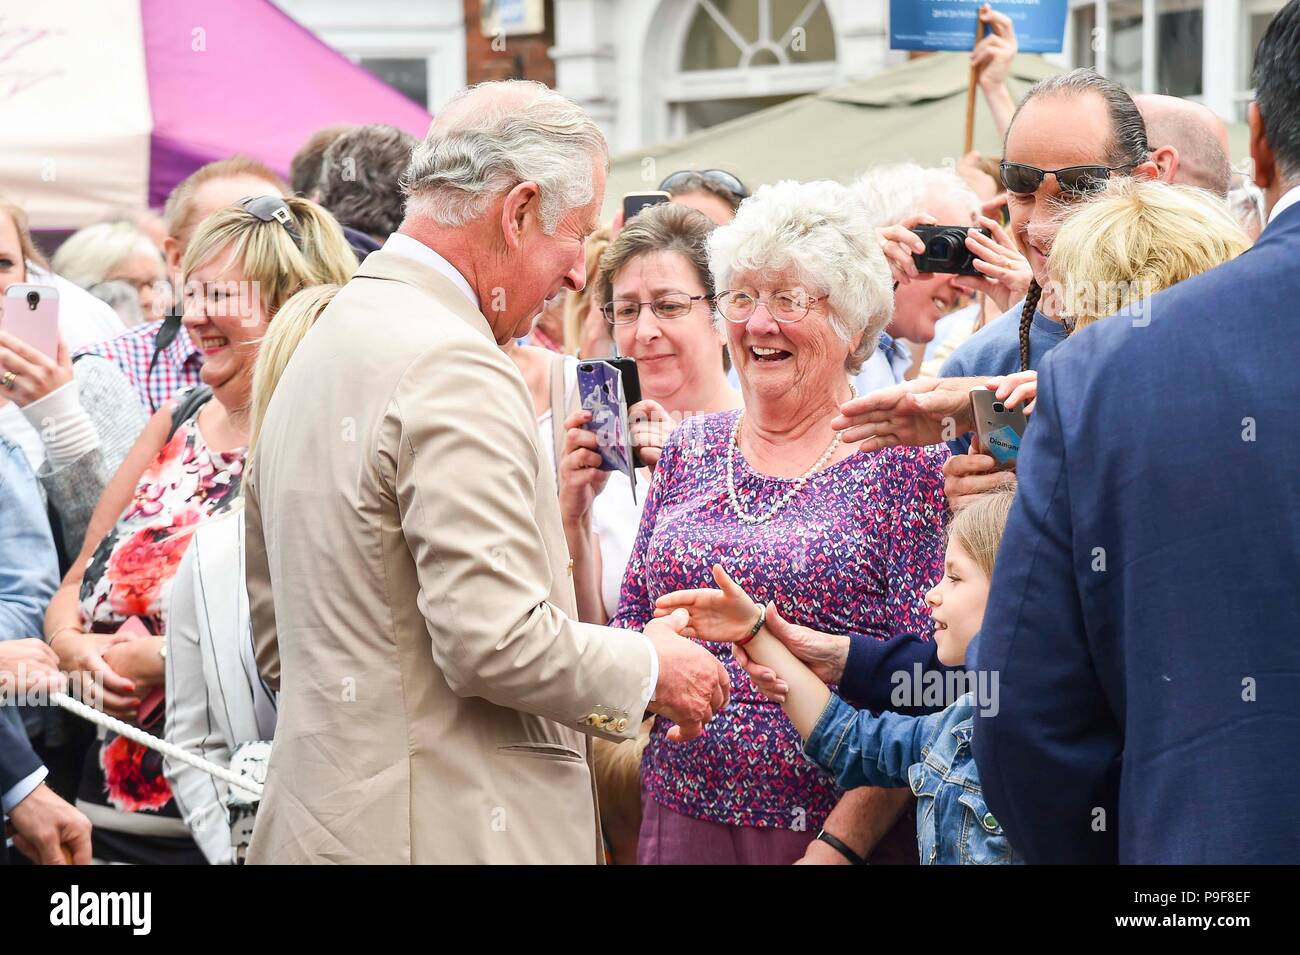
[
  {"x": 36, "y": 374},
  {"x": 649, "y": 426},
  {"x": 580, "y": 476},
  {"x": 1014, "y": 389},
  {"x": 1006, "y": 273},
  {"x": 724, "y": 615},
  {"x": 917, "y": 412},
  {"x": 899, "y": 242},
  {"x": 83, "y": 654},
  {"x": 138, "y": 660}
]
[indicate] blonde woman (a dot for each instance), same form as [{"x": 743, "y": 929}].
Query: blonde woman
[
  {"x": 242, "y": 265},
  {"x": 216, "y": 701},
  {"x": 116, "y": 252}
]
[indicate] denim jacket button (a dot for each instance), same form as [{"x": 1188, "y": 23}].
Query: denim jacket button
[{"x": 917, "y": 784}]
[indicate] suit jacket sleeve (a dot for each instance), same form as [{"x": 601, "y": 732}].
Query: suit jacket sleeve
[
  {"x": 261, "y": 604},
  {"x": 464, "y": 466},
  {"x": 1047, "y": 755},
  {"x": 17, "y": 758}
]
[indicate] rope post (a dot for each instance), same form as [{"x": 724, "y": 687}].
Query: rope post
[{"x": 970, "y": 91}]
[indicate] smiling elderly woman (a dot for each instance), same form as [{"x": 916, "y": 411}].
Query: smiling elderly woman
[{"x": 840, "y": 541}]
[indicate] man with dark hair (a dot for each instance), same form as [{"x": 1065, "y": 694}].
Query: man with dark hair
[
  {"x": 359, "y": 183},
  {"x": 304, "y": 168},
  {"x": 1142, "y": 616}
]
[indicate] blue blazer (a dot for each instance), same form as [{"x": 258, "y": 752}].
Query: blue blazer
[{"x": 1145, "y": 605}]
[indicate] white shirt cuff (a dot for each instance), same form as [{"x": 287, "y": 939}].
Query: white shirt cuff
[
  {"x": 23, "y": 788},
  {"x": 654, "y": 664}
]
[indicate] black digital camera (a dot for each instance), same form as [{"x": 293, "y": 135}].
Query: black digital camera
[{"x": 945, "y": 249}]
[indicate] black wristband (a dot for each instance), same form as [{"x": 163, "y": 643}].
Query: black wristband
[{"x": 841, "y": 848}]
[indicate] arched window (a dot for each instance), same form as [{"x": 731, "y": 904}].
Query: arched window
[{"x": 726, "y": 58}]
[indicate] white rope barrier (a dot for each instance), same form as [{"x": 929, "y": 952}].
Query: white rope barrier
[{"x": 137, "y": 735}]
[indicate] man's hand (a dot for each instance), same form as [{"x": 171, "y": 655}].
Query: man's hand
[
  {"x": 898, "y": 242},
  {"x": 29, "y": 664},
  {"x": 918, "y": 412},
  {"x": 1004, "y": 273},
  {"x": 693, "y": 684},
  {"x": 49, "y": 831},
  {"x": 820, "y": 853},
  {"x": 966, "y": 476}
]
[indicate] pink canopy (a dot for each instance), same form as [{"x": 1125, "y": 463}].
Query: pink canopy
[{"x": 109, "y": 104}]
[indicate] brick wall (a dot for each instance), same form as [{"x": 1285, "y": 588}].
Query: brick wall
[{"x": 524, "y": 57}]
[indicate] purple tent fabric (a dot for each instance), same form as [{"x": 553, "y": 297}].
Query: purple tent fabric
[{"x": 241, "y": 76}]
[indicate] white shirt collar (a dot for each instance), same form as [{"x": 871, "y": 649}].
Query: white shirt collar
[
  {"x": 411, "y": 248},
  {"x": 1289, "y": 199}
]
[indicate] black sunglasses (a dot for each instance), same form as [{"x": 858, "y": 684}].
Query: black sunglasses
[
  {"x": 1023, "y": 179},
  {"x": 716, "y": 176},
  {"x": 273, "y": 209}
]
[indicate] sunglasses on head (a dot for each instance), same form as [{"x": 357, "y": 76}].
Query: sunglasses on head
[
  {"x": 716, "y": 176},
  {"x": 1023, "y": 179},
  {"x": 273, "y": 209}
]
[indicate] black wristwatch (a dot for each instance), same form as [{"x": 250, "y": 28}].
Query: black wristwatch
[{"x": 841, "y": 848}]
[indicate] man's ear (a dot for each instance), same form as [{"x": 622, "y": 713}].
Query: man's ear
[
  {"x": 172, "y": 253},
  {"x": 1166, "y": 159},
  {"x": 1147, "y": 170},
  {"x": 520, "y": 211},
  {"x": 1261, "y": 153}
]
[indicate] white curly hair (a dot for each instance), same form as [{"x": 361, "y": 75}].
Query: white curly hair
[{"x": 820, "y": 231}]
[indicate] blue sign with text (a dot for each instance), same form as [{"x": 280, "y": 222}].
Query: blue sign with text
[{"x": 950, "y": 24}]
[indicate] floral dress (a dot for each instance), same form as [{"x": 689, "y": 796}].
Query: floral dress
[
  {"x": 853, "y": 552},
  {"x": 123, "y": 789}
]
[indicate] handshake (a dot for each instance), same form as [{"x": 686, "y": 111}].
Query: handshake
[{"x": 693, "y": 684}]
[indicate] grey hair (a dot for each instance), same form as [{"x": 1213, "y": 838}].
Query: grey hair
[
  {"x": 358, "y": 178},
  {"x": 1128, "y": 145},
  {"x": 822, "y": 232},
  {"x": 892, "y": 191},
  {"x": 493, "y": 136},
  {"x": 88, "y": 255}
]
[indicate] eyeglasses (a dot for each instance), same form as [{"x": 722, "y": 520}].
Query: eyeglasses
[
  {"x": 273, "y": 209},
  {"x": 786, "y": 306},
  {"x": 718, "y": 177},
  {"x": 625, "y": 311},
  {"x": 1023, "y": 179}
]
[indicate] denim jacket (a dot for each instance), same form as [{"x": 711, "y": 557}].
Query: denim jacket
[
  {"x": 29, "y": 569},
  {"x": 932, "y": 755}
]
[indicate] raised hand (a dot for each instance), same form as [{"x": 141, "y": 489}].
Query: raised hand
[
  {"x": 1014, "y": 389},
  {"x": 580, "y": 476},
  {"x": 724, "y": 615},
  {"x": 918, "y": 412},
  {"x": 1004, "y": 273}
]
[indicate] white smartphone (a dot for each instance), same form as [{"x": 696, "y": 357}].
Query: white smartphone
[{"x": 31, "y": 312}]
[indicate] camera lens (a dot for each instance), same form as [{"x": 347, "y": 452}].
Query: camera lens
[
  {"x": 33, "y": 300},
  {"x": 942, "y": 248},
  {"x": 999, "y": 407}
]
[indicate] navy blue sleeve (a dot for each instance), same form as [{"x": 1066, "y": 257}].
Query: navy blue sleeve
[
  {"x": 1048, "y": 752},
  {"x": 17, "y": 758},
  {"x": 878, "y": 671}
]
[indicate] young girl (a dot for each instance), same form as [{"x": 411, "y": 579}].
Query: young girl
[{"x": 930, "y": 754}]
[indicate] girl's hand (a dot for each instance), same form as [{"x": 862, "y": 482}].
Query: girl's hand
[
  {"x": 1006, "y": 273},
  {"x": 581, "y": 478},
  {"x": 724, "y": 615},
  {"x": 1014, "y": 389},
  {"x": 649, "y": 426},
  {"x": 36, "y": 374}
]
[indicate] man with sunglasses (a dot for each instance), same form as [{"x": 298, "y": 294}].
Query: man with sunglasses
[
  {"x": 1142, "y": 615},
  {"x": 714, "y": 192}
]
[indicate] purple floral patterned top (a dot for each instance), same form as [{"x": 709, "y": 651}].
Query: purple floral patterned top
[{"x": 854, "y": 552}]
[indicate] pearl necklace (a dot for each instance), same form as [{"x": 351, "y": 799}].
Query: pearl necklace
[{"x": 795, "y": 488}]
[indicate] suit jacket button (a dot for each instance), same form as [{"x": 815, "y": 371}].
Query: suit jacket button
[{"x": 620, "y": 725}]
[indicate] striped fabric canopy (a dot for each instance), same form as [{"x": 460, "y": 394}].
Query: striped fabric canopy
[{"x": 106, "y": 105}]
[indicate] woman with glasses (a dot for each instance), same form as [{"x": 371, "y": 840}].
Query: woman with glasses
[
  {"x": 109, "y": 616},
  {"x": 656, "y": 294},
  {"x": 843, "y": 542}
]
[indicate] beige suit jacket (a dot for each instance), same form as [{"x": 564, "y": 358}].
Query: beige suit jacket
[{"x": 411, "y": 596}]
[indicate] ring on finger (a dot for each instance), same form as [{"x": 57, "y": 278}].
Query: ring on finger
[{"x": 8, "y": 380}]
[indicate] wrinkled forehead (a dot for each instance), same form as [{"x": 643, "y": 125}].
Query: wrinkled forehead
[{"x": 1057, "y": 130}]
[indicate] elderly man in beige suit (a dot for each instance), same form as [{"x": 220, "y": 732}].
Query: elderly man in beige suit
[{"x": 408, "y": 578}]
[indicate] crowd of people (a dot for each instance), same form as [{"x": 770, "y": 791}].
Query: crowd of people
[{"x": 308, "y": 474}]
